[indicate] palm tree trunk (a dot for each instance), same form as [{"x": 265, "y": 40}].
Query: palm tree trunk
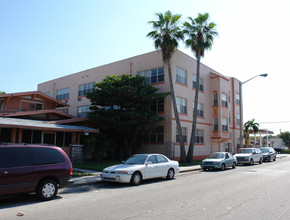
[
  {"x": 182, "y": 148},
  {"x": 189, "y": 157}
]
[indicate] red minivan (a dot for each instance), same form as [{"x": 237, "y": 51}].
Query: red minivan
[{"x": 33, "y": 168}]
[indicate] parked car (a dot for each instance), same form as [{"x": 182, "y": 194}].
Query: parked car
[
  {"x": 249, "y": 156},
  {"x": 219, "y": 160},
  {"x": 268, "y": 154},
  {"x": 31, "y": 168},
  {"x": 140, "y": 167}
]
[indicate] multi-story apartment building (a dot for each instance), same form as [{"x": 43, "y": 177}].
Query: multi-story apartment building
[{"x": 218, "y": 124}]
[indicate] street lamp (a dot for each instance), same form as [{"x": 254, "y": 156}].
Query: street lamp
[{"x": 241, "y": 106}]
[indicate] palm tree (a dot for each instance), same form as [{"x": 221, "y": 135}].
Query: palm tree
[
  {"x": 166, "y": 33},
  {"x": 250, "y": 127},
  {"x": 200, "y": 35}
]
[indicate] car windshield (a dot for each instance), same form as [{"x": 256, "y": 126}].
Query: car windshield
[
  {"x": 216, "y": 156},
  {"x": 243, "y": 151},
  {"x": 136, "y": 159},
  {"x": 264, "y": 150}
]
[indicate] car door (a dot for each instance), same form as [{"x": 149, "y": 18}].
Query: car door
[
  {"x": 228, "y": 160},
  {"x": 163, "y": 165},
  {"x": 151, "y": 169},
  {"x": 15, "y": 170}
]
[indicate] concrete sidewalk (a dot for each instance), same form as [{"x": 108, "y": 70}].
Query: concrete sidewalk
[{"x": 94, "y": 176}]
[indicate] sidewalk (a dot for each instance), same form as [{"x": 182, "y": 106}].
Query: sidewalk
[{"x": 94, "y": 176}]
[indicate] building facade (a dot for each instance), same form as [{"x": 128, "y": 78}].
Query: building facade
[{"x": 218, "y": 124}]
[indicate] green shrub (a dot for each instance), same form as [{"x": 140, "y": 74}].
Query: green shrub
[{"x": 285, "y": 151}]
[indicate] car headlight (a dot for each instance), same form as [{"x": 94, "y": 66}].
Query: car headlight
[
  {"x": 247, "y": 158},
  {"x": 121, "y": 172}
]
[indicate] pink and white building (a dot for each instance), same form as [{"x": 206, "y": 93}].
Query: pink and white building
[{"x": 218, "y": 124}]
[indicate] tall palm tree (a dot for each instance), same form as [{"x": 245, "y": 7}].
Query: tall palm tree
[
  {"x": 250, "y": 127},
  {"x": 166, "y": 33},
  {"x": 200, "y": 35}
]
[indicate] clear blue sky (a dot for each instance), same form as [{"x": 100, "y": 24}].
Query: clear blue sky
[{"x": 47, "y": 39}]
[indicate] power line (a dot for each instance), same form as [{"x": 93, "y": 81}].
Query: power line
[{"x": 274, "y": 122}]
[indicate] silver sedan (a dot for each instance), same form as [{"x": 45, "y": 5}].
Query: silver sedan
[
  {"x": 140, "y": 167},
  {"x": 219, "y": 160}
]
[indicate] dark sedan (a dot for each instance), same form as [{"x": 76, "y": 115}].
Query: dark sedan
[{"x": 268, "y": 154}]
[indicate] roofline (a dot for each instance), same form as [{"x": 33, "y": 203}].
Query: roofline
[{"x": 33, "y": 93}]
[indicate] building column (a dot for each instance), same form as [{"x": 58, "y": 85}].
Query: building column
[
  {"x": 13, "y": 135},
  {"x": 20, "y": 135},
  {"x": 73, "y": 138},
  {"x": 78, "y": 138}
]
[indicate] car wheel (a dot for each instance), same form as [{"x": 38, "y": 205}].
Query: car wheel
[
  {"x": 170, "y": 174},
  {"x": 234, "y": 165},
  {"x": 223, "y": 167},
  {"x": 251, "y": 162},
  {"x": 47, "y": 189},
  {"x": 274, "y": 159},
  {"x": 136, "y": 178},
  {"x": 261, "y": 161}
]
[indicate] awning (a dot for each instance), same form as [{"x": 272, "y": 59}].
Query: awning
[{"x": 42, "y": 125}]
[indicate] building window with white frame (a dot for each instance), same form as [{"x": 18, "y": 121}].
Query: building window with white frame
[
  {"x": 157, "y": 105},
  {"x": 224, "y": 100},
  {"x": 237, "y": 99},
  {"x": 200, "y": 112},
  {"x": 199, "y": 136},
  {"x": 200, "y": 83},
  {"x": 84, "y": 88},
  {"x": 155, "y": 75},
  {"x": 181, "y": 76},
  {"x": 181, "y": 105},
  {"x": 184, "y": 135},
  {"x": 224, "y": 125},
  {"x": 215, "y": 124},
  {"x": 62, "y": 94},
  {"x": 215, "y": 99},
  {"x": 83, "y": 111},
  {"x": 238, "y": 119}
]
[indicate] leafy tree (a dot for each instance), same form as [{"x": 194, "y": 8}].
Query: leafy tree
[
  {"x": 250, "y": 127},
  {"x": 286, "y": 137},
  {"x": 1, "y": 92},
  {"x": 166, "y": 33},
  {"x": 200, "y": 35},
  {"x": 121, "y": 108}
]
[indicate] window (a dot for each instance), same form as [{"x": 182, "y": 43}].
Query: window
[
  {"x": 238, "y": 119},
  {"x": 47, "y": 156},
  {"x": 161, "y": 159},
  {"x": 47, "y": 93},
  {"x": 62, "y": 94},
  {"x": 83, "y": 111},
  {"x": 184, "y": 135},
  {"x": 154, "y": 136},
  {"x": 215, "y": 124},
  {"x": 181, "y": 105},
  {"x": 224, "y": 100},
  {"x": 181, "y": 76},
  {"x": 15, "y": 157},
  {"x": 215, "y": 99},
  {"x": 35, "y": 106},
  {"x": 152, "y": 159},
  {"x": 84, "y": 88},
  {"x": 199, "y": 110},
  {"x": 224, "y": 124},
  {"x": 237, "y": 99},
  {"x": 153, "y": 75},
  {"x": 194, "y": 83},
  {"x": 158, "y": 105},
  {"x": 199, "y": 136}
]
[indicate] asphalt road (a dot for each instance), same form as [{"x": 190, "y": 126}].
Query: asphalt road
[{"x": 247, "y": 192}]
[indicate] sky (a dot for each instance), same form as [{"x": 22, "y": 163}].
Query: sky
[{"x": 47, "y": 39}]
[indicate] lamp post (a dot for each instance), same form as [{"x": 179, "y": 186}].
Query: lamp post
[{"x": 241, "y": 106}]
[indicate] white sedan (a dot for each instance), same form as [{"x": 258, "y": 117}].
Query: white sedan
[{"x": 140, "y": 167}]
